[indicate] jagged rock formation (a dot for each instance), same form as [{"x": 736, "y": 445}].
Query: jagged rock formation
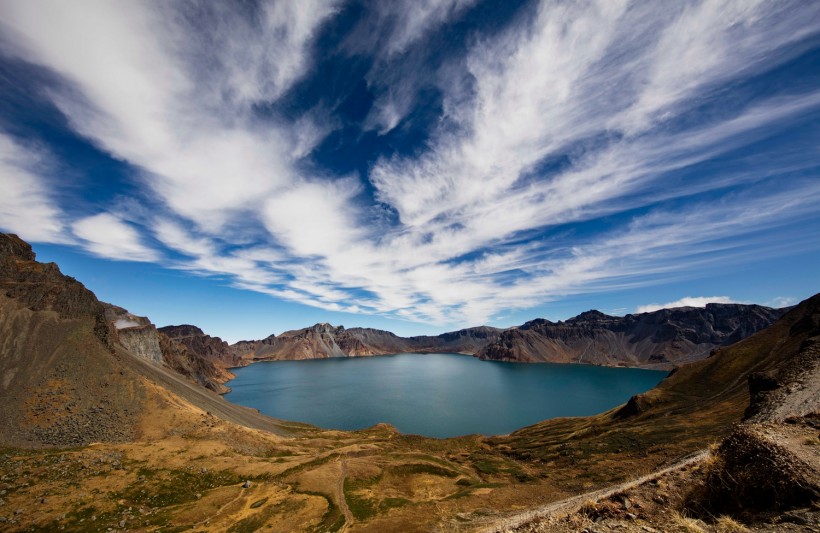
[
  {"x": 661, "y": 339},
  {"x": 42, "y": 287},
  {"x": 136, "y": 333},
  {"x": 201, "y": 345},
  {"x": 183, "y": 353},
  {"x": 189, "y": 351}
]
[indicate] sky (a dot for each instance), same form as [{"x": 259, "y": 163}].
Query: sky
[{"x": 419, "y": 166}]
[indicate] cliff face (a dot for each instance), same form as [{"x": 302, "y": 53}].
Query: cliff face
[
  {"x": 661, "y": 339},
  {"x": 198, "y": 343},
  {"x": 205, "y": 359}
]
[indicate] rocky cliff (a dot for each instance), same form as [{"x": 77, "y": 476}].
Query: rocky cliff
[
  {"x": 661, "y": 339},
  {"x": 187, "y": 350},
  {"x": 190, "y": 351},
  {"x": 136, "y": 333}
]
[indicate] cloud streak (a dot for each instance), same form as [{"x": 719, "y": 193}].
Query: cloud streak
[{"x": 608, "y": 113}]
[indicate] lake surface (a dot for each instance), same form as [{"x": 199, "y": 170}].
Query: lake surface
[{"x": 438, "y": 395}]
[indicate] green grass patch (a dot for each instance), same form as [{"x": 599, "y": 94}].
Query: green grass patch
[
  {"x": 255, "y": 522},
  {"x": 422, "y": 468},
  {"x": 391, "y": 503},
  {"x": 163, "y": 488}
]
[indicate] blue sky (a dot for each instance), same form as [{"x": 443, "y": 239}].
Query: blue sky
[{"x": 419, "y": 166}]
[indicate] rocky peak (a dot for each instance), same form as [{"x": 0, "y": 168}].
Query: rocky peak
[
  {"x": 41, "y": 286},
  {"x": 535, "y": 323},
  {"x": 324, "y": 327},
  {"x": 183, "y": 330},
  {"x": 593, "y": 315},
  {"x": 14, "y": 246}
]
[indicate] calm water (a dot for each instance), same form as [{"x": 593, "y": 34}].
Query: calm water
[{"x": 438, "y": 395}]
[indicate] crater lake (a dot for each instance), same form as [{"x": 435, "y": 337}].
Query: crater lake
[{"x": 437, "y": 395}]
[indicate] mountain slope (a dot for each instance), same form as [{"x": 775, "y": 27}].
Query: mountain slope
[
  {"x": 660, "y": 339},
  {"x": 694, "y": 405},
  {"x": 68, "y": 376}
]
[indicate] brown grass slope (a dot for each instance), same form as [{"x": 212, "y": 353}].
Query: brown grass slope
[{"x": 764, "y": 476}]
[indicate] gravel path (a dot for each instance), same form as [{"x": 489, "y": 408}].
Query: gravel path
[{"x": 568, "y": 505}]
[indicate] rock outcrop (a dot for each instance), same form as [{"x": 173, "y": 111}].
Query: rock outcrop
[
  {"x": 205, "y": 359},
  {"x": 136, "y": 333}
]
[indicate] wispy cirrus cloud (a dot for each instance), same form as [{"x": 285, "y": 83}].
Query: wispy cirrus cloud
[
  {"x": 610, "y": 112},
  {"x": 153, "y": 89}
]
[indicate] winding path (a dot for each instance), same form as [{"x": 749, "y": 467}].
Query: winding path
[
  {"x": 340, "y": 488},
  {"x": 575, "y": 502}
]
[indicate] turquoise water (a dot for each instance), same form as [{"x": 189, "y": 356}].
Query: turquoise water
[{"x": 437, "y": 395}]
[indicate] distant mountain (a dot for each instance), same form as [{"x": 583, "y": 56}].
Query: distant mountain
[
  {"x": 661, "y": 339},
  {"x": 324, "y": 340}
]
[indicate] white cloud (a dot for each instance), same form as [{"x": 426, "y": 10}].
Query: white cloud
[
  {"x": 145, "y": 97},
  {"x": 107, "y": 236},
  {"x": 782, "y": 301},
  {"x": 26, "y": 206},
  {"x": 687, "y": 301},
  {"x": 315, "y": 218}
]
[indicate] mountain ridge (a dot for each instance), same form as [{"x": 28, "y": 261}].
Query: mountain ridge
[{"x": 659, "y": 339}]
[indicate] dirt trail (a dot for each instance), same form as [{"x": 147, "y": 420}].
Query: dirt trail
[
  {"x": 341, "y": 492},
  {"x": 216, "y": 515},
  {"x": 571, "y": 504},
  {"x": 205, "y": 399}
]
